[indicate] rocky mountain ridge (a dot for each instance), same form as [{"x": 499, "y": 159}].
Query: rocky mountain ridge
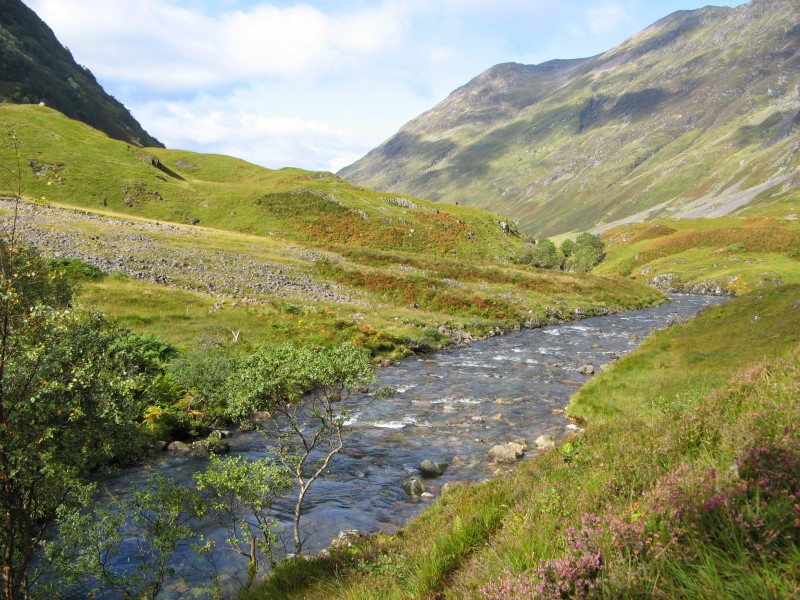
[{"x": 697, "y": 115}]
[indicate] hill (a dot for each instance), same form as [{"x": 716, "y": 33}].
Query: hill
[
  {"x": 73, "y": 164},
  {"x": 35, "y": 67},
  {"x": 277, "y": 255},
  {"x": 697, "y": 115}
]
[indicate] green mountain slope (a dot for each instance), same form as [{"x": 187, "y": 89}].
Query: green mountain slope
[
  {"x": 68, "y": 162},
  {"x": 698, "y": 115},
  {"x": 35, "y": 67}
]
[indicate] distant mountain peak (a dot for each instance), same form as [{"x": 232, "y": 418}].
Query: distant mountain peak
[{"x": 684, "y": 117}]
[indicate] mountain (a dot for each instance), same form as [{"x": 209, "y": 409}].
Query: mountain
[
  {"x": 697, "y": 115},
  {"x": 35, "y": 67}
]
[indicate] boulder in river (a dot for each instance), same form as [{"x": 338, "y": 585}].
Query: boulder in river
[
  {"x": 428, "y": 468},
  {"x": 586, "y": 370},
  {"x": 413, "y": 486},
  {"x": 178, "y": 446},
  {"x": 504, "y": 453},
  {"x": 545, "y": 441},
  {"x": 211, "y": 445}
]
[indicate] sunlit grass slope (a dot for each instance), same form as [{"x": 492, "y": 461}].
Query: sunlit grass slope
[
  {"x": 68, "y": 162},
  {"x": 407, "y": 275},
  {"x": 683, "y": 485},
  {"x": 737, "y": 254}
]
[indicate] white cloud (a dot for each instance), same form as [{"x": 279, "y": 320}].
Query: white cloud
[
  {"x": 233, "y": 125},
  {"x": 164, "y": 47}
]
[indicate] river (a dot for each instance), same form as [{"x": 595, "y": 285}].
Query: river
[{"x": 450, "y": 407}]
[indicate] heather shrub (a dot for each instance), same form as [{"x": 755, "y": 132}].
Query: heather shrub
[{"x": 725, "y": 497}]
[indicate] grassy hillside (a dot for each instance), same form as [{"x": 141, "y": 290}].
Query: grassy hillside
[
  {"x": 35, "y": 67},
  {"x": 695, "y": 116},
  {"x": 683, "y": 485},
  {"x": 280, "y": 255},
  {"x": 732, "y": 254},
  {"x": 70, "y": 163}
]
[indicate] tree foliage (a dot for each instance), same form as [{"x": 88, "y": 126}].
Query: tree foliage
[
  {"x": 581, "y": 254},
  {"x": 304, "y": 390},
  {"x": 153, "y": 523},
  {"x": 238, "y": 495},
  {"x": 588, "y": 252},
  {"x": 279, "y": 375}
]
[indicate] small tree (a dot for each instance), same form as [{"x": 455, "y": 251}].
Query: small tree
[
  {"x": 567, "y": 248},
  {"x": 203, "y": 372},
  {"x": 544, "y": 255},
  {"x": 239, "y": 494},
  {"x": 155, "y": 519},
  {"x": 589, "y": 251},
  {"x": 304, "y": 390}
]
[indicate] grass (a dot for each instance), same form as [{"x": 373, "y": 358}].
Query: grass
[
  {"x": 738, "y": 254},
  {"x": 67, "y": 162},
  {"x": 662, "y": 424},
  {"x": 412, "y": 267}
]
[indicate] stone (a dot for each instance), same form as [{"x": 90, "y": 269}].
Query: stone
[
  {"x": 519, "y": 449},
  {"x": 178, "y": 447},
  {"x": 413, "y": 486},
  {"x": 346, "y": 539},
  {"x": 503, "y": 453},
  {"x": 545, "y": 441},
  {"x": 159, "y": 446},
  {"x": 217, "y": 446},
  {"x": 522, "y": 442},
  {"x": 586, "y": 370},
  {"x": 428, "y": 468}
]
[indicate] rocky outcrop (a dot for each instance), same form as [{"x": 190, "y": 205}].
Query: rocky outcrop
[{"x": 142, "y": 251}]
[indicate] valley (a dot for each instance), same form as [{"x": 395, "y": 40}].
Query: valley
[{"x": 543, "y": 342}]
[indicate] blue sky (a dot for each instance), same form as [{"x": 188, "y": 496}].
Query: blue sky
[{"x": 317, "y": 84}]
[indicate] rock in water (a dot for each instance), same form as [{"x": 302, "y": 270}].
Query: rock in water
[
  {"x": 413, "y": 486},
  {"x": 503, "y": 453},
  {"x": 178, "y": 446},
  {"x": 518, "y": 448},
  {"x": 586, "y": 370},
  {"x": 428, "y": 468}
]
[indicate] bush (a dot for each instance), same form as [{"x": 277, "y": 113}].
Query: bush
[
  {"x": 589, "y": 251},
  {"x": 76, "y": 270},
  {"x": 544, "y": 255}
]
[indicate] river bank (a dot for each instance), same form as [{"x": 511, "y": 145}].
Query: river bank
[
  {"x": 449, "y": 407},
  {"x": 672, "y": 413}
]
